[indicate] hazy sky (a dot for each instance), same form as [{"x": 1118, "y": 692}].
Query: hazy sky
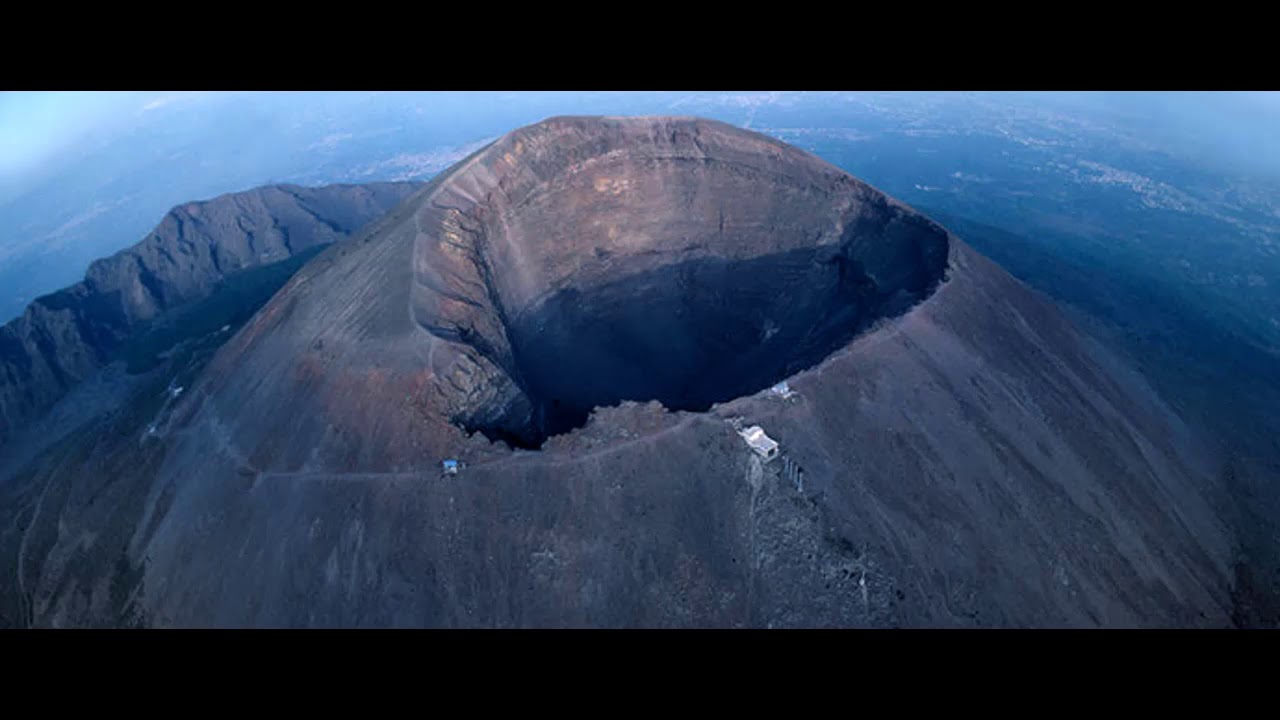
[
  {"x": 35, "y": 127},
  {"x": 1232, "y": 130}
]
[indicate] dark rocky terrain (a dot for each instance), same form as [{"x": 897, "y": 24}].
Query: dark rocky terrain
[
  {"x": 967, "y": 457},
  {"x": 65, "y": 337}
]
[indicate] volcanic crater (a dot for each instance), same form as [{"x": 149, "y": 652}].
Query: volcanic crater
[
  {"x": 977, "y": 461},
  {"x": 590, "y": 262}
]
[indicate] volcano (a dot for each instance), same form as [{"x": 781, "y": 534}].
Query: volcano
[{"x": 580, "y": 318}]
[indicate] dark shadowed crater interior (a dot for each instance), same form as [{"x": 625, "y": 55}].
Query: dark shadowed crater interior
[
  {"x": 688, "y": 335},
  {"x": 696, "y": 333}
]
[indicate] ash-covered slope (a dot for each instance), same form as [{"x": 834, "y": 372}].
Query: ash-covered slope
[
  {"x": 958, "y": 453},
  {"x": 65, "y": 336}
]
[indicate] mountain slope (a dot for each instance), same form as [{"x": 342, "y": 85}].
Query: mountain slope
[{"x": 62, "y": 338}]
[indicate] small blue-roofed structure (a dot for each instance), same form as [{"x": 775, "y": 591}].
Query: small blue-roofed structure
[{"x": 450, "y": 467}]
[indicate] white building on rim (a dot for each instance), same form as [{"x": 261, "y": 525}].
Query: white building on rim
[{"x": 763, "y": 445}]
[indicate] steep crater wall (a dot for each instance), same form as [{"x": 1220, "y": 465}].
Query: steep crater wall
[{"x": 678, "y": 260}]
